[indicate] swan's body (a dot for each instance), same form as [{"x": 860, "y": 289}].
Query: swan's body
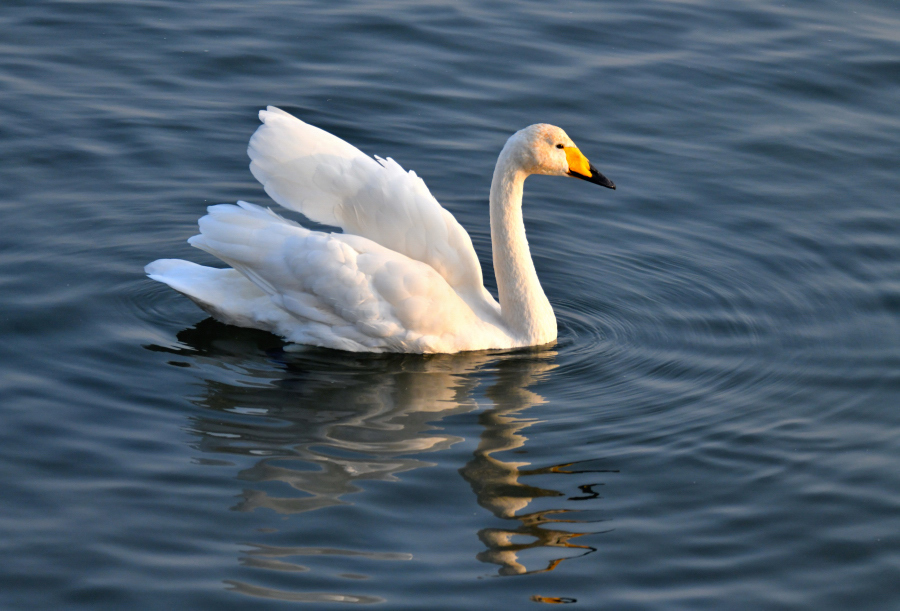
[{"x": 403, "y": 277}]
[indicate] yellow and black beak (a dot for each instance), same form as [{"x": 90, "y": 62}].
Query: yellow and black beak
[{"x": 580, "y": 167}]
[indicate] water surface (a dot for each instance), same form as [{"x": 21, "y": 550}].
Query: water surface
[{"x": 716, "y": 428}]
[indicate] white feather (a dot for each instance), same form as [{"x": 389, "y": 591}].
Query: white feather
[
  {"x": 339, "y": 290},
  {"x": 403, "y": 277},
  {"x": 306, "y": 169}
]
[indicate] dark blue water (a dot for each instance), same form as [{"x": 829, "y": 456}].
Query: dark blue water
[{"x": 717, "y": 427}]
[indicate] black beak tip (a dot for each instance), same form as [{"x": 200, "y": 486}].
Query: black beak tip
[
  {"x": 599, "y": 179},
  {"x": 596, "y": 177}
]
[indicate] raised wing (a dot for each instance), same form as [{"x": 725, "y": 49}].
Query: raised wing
[{"x": 306, "y": 169}]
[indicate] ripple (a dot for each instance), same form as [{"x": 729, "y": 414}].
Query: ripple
[
  {"x": 300, "y": 597},
  {"x": 723, "y": 389}
]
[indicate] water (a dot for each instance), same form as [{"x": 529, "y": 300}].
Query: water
[{"x": 717, "y": 427}]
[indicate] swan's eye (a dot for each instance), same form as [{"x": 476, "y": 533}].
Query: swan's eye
[{"x": 559, "y": 146}]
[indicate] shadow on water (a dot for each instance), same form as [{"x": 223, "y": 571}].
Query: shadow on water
[{"x": 322, "y": 422}]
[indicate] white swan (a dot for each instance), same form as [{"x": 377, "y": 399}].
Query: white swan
[{"x": 403, "y": 277}]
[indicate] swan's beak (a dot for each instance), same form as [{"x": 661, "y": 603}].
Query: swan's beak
[{"x": 580, "y": 167}]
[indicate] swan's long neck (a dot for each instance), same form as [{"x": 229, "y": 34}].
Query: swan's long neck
[{"x": 523, "y": 305}]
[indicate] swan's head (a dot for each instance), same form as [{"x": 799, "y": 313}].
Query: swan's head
[{"x": 546, "y": 149}]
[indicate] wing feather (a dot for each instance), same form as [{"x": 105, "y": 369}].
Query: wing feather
[
  {"x": 342, "y": 290},
  {"x": 306, "y": 169}
]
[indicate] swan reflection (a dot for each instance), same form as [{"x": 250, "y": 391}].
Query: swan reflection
[
  {"x": 496, "y": 482},
  {"x": 310, "y": 427}
]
